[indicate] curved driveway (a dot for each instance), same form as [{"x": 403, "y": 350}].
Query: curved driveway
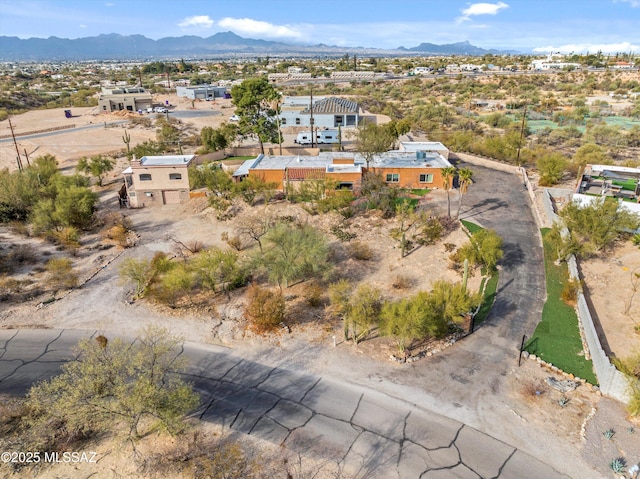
[
  {"x": 368, "y": 434},
  {"x": 380, "y": 424}
]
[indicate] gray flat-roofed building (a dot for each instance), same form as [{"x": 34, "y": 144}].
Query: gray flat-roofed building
[
  {"x": 328, "y": 112},
  {"x": 201, "y": 92}
]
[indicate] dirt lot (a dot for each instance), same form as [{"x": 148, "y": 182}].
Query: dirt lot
[{"x": 105, "y": 138}]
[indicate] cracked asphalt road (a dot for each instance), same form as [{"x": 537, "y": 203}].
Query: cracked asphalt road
[
  {"x": 380, "y": 420},
  {"x": 370, "y": 434}
]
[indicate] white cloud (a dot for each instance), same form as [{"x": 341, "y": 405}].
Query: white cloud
[
  {"x": 198, "y": 21},
  {"x": 83, "y": 26},
  {"x": 481, "y": 9},
  {"x": 633, "y": 3},
  {"x": 256, "y": 28},
  {"x": 109, "y": 4},
  {"x": 590, "y": 47}
]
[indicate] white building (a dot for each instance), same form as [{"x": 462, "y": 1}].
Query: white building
[
  {"x": 328, "y": 112},
  {"x": 201, "y": 92}
]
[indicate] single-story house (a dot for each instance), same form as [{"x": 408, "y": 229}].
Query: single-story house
[
  {"x": 398, "y": 168},
  {"x": 201, "y": 92},
  {"x": 156, "y": 180},
  {"x": 127, "y": 98},
  {"x": 328, "y": 112}
]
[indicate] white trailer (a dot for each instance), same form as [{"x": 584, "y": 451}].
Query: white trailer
[
  {"x": 322, "y": 136},
  {"x": 328, "y": 136}
]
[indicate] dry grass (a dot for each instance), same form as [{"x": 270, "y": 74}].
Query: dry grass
[
  {"x": 401, "y": 282},
  {"x": 360, "y": 251}
]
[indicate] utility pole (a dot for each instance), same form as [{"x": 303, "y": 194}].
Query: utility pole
[
  {"x": 524, "y": 117},
  {"x": 15, "y": 143},
  {"x": 311, "y": 119}
]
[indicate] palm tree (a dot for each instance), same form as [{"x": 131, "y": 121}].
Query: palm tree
[
  {"x": 465, "y": 178},
  {"x": 447, "y": 176}
]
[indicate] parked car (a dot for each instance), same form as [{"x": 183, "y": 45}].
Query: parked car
[
  {"x": 160, "y": 109},
  {"x": 234, "y": 118}
]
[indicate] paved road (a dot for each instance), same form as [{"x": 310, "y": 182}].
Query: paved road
[{"x": 370, "y": 434}]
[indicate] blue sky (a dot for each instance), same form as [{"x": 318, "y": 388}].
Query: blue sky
[{"x": 545, "y": 25}]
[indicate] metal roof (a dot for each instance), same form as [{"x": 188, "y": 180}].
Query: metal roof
[
  {"x": 173, "y": 160},
  {"x": 332, "y": 104}
]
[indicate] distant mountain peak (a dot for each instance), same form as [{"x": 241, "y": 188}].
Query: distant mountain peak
[{"x": 114, "y": 46}]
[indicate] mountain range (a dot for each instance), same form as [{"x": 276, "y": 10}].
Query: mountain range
[{"x": 138, "y": 47}]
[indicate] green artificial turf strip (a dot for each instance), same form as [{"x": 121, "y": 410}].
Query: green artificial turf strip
[
  {"x": 472, "y": 227},
  {"x": 557, "y": 338},
  {"x": 489, "y": 298}
]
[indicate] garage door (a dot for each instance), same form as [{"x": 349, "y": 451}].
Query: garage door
[{"x": 170, "y": 197}]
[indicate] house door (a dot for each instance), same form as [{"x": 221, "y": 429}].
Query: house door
[{"x": 170, "y": 197}]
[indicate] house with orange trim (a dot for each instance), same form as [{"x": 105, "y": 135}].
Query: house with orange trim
[{"x": 404, "y": 169}]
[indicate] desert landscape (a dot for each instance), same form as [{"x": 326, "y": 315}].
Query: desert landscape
[{"x": 108, "y": 305}]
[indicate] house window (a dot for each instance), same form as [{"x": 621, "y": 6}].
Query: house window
[
  {"x": 145, "y": 177},
  {"x": 393, "y": 177},
  {"x": 426, "y": 178},
  {"x": 175, "y": 176},
  {"x": 283, "y": 121},
  {"x": 297, "y": 121}
]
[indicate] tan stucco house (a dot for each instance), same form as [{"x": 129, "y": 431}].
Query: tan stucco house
[{"x": 156, "y": 180}]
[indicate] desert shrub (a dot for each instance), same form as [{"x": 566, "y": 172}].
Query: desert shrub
[
  {"x": 431, "y": 231},
  {"x": 313, "y": 294},
  {"x": 401, "y": 282},
  {"x": 483, "y": 249},
  {"x": 449, "y": 247},
  {"x": 570, "y": 291},
  {"x": 139, "y": 272},
  {"x": 265, "y": 308},
  {"x": 360, "y": 251},
  {"x": 22, "y": 254},
  {"x": 68, "y": 237},
  {"x": 335, "y": 201},
  {"x": 134, "y": 385},
  {"x": 61, "y": 274},
  {"x": 293, "y": 253},
  {"x": 342, "y": 234},
  {"x": 234, "y": 241},
  {"x": 359, "y": 309},
  {"x": 218, "y": 270},
  {"x": 179, "y": 281},
  {"x": 118, "y": 234},
  {"x": 195, "y": 246}
]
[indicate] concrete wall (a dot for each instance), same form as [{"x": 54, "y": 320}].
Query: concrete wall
[{"x": 612, "y": 382}]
